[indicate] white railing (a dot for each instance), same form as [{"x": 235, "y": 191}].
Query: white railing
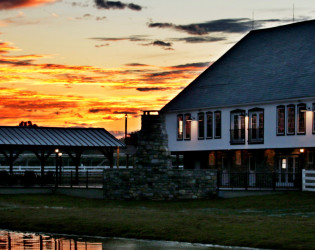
[
  {"x": 308, "y": 180},
  {"x": 64, "y": 168}
]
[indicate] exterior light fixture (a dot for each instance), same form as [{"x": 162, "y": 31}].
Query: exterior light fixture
[
  {"x": 56, "y": 150},
  {"x": 301, "y": 150},
  {"x": 306, "y": 109},
  {"x": 191, "y": 119},
  {"x": 59, "y": 154}
]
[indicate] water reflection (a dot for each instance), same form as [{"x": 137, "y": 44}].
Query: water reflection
[
  {"x": 10, "y": 240},
  {"x": 30, "y": 241}
]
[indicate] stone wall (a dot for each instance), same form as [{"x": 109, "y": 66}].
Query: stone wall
[
  {"x": 159, "y": 184},
  {"x": 152, "y": 151}
]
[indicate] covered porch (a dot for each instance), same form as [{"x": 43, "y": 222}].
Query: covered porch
[{"x": 256, "y": 169}]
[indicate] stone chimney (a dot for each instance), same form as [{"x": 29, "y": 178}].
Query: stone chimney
[{"x": 152, "y": 151}]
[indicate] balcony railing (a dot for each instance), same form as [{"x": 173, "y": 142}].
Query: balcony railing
[
  {"x": 256, "y": 135},
  {"x": 237, "y": 136}
]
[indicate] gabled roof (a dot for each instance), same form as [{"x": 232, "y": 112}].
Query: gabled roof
[
  {"x": 266, "y": 65},
  {"x": 57, "y": 137}
]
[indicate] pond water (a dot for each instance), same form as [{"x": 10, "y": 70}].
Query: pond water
[{"x": 10, "y": 240}]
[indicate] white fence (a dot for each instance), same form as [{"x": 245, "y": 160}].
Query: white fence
[
  {"x": 308, "y": 180},
  {"x": 63, "y": 168}
]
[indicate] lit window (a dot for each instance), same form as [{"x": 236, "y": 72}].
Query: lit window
[
  {"x": 256, "y": 125},
  {"x": 180, "y": 127},
  {"x": 209, "y": 125},
  {"x": 201, "y": 126},
  {"x": 301, "y": 124},
  {"x": 187, "y": 126},
  {"x": 284, "y": 163},
  {"x": 217, "y": 124},
  {"x": 280, "y": 120},
  {"x": 291, "y": 120},
  {"x": 238, "y": 127}
]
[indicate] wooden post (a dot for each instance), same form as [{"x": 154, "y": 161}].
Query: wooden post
[{"x": 117, "y": 157}]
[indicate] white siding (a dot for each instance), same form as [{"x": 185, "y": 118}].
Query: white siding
[{"x": 271, "y": 140}]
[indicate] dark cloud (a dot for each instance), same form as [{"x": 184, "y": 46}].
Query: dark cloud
[
  {"x": 199, "y": 39},
  {"x": 162, "y": 44},
  {"x": 135, "y": 38},
  {"x": 103, "y": 4},
  {"x": 98, "y": 110},
  {"x": 237, "y": 25},
  {"x": 128, "y": 112},
  {"x": 192, "y": 65},
  {"x": 151, "y": 89},
  {"x": 170, "y": 74}
]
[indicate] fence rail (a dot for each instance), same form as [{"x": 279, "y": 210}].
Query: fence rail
[
  {"x": 308, "y": 180},
  {"x": 259, "y": 181},
  {"x": 86, "y": 179}
]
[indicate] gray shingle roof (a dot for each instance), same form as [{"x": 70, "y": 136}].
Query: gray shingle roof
[
  {"x": 266, "y": 65},
  {"x": 57, "y": 137}
]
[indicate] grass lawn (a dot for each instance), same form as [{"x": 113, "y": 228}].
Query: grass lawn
[{"x": 284, "y": 221}]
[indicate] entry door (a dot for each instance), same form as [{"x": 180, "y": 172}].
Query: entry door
[
  {"x": 225, "y": 178},
  {"x": 252, "y": 171},
  {"x": 287, "y": 171}
]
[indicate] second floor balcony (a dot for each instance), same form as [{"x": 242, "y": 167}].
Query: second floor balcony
[
  {"x": 255, "y": 135},
  {"x": 237, "y": 136}
]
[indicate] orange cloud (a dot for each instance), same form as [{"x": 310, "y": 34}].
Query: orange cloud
[
  {"x": 83, "y": 95},
  {"x": 11, "y": 4}
]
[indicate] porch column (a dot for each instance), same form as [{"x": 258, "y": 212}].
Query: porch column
[
  {"x": 42, "y": 156},
  {"x": 109, "y": 154},
  {"x": 76, "y": 160},
  {"x": 11, "y": 157}
]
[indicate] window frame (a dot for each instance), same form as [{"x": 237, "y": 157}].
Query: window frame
[
  {"x": 288, "y": 120},
  {"x": 300, "y": 107},
  {"x": 239, "y": 125},
  {"x": 201, "y": 122},
  {"x": 261, "y": 125},
  {"x": 209, "y": 127},
  {"x": 284, "y": 120},
  {"x": 187, "y": 125},
  {"x": 215, "y": 130},
  {"x": 180, "y": 138}
]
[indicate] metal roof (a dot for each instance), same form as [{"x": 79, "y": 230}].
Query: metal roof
[
  {"x": 57, "y": 137},
  {"x": 266, "y": 65}
]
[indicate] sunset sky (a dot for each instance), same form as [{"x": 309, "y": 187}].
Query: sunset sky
[{"x": 88, "y": 62}]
